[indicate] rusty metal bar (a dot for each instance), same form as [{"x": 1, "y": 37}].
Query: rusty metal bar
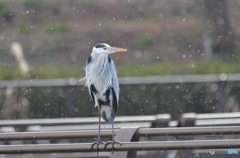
[
  {"x": 125, "y": 146},
  {"x": 108, "y": 133}
]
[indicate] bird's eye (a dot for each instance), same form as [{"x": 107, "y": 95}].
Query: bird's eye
[{"x": 105, "y": 48}]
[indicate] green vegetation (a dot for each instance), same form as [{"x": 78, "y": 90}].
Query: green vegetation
[
  {"x": 40, "y": 73},
  {"x": 24, "y": 28},
  {"x": 6, "y": 12},
  {"x": 39, "y": 5},
  {"x": 214, "y": 67},
  {"x": 57, "y": 73},
  {"x": 7, "y": 74},
  {"x": 143, "y": 42},
  {"x": 142, "y": 29},
  {"x": 57, "y": 28},
  {"x": 131, "y": 70},
  {"x": 33, "y": 4}
]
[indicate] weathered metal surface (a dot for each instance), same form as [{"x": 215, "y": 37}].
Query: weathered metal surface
[
  {"x": 126, "y": 135},
  {"x": 108, "y": 133},
  {"x": 125, "y": 146},
  {"x": 78, "y": 121}
]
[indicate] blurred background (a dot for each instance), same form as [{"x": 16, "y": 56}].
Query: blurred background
[{"x": 53, "y": 39}]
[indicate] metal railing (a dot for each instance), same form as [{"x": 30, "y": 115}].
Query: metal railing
[
  {"x": 83, "y": 120},
  {"x": 142, "y": 132},
  {"x": 124, "y": 146},
  {"x": 220, "y": 137},
  {"x": 124, "y": 80}
]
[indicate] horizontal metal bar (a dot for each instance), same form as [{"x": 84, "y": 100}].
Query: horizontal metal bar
[
  {"x": 53, "y": 135},
  {"x": 180, "y": 79},
  {"x": 189, "y": 131},
  {"x": 225, "y": 115},
  {"x": 41, "y": 83},
  {"x": 108, "y": 133},
  {"x": 79, "y": 121},
  {"x": 123, "y": 80},
  {"x": 202, "y": 121},
  {"x": 218, "y": 122},
  {"x": 232, "y": 119},
  {"x": 207, "y": 116},
  {"x": 124, "y": 146}
]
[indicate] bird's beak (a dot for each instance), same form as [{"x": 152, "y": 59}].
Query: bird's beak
[{"x": 116, "y": 50}]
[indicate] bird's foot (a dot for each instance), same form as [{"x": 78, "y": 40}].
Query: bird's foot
[
  {"x": 112, "y": 142},
  {"x": 98, "y": 144}
]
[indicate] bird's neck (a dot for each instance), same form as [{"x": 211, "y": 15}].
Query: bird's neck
[{"x": 100, "y": 60}]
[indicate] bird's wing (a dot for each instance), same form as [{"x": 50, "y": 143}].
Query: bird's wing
[
  {"x": 87, "y": 70},
  {"x": 115, "y": 85},
  {"x": 88, "y": 83},
  {"x": 114, "y": 101},
  {"x": 93, "y": 92}
]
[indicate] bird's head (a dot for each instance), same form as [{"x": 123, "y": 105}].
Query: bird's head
[{"x": 107, "y": 49}]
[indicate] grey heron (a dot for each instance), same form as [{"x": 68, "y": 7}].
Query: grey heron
[{"x": 103, "y": 86}]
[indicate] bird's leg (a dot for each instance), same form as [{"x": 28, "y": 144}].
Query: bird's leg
[
  {"x": 113, "y": 139},
  {"x": 98, "y": 142}
]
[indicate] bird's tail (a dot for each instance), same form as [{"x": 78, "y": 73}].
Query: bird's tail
[{"x": 107, "y": 113}]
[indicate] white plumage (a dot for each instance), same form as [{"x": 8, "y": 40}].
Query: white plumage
[
  {"x": 101, "y": 77},
  {"x": 102, "y": 83}
]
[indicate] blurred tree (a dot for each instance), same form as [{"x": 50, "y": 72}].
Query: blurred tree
[{"x": 218, "y": 27}]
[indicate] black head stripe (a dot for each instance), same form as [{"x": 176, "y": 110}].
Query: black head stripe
[{"x": 100, "y": 45}]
